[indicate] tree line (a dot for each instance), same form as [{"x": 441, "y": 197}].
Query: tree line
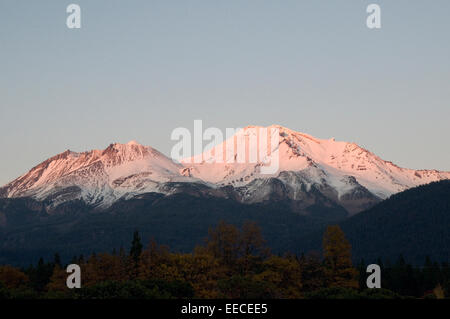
[{"x": 232, "y": 263}]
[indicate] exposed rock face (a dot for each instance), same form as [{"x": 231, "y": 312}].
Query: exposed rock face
[{"x": 311, "y": 171}]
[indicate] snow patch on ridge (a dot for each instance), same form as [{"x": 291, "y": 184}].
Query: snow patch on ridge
[{"x": 101, "y": 177}]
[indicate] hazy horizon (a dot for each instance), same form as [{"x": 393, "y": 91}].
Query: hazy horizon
[{"x": 136, "y": 71}]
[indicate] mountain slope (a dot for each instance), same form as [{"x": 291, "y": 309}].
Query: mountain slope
[
  {"x": 98, "y": 177},
  {"x": 326, "y": 159},
  {"x": 343, "y": 172},
  {"x": 179, "y": 220},
  {"x": 310, "y": 171},
  {"x": 414, "y": 223}
]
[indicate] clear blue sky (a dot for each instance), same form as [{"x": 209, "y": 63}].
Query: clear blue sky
[{"x": 138, "y": 69}]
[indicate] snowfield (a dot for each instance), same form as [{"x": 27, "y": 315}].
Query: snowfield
[{"x": 342, "y": 171}]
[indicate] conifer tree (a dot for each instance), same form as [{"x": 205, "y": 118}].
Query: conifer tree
[
  {"x": 338, "y": 261},
  {"x": 135, "y": 253},
  {"x": 57, "y": 260}
]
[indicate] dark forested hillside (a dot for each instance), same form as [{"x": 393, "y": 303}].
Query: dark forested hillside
[
  {"x": 181, "y": 221},
  {"x": 414, "y": 223}
]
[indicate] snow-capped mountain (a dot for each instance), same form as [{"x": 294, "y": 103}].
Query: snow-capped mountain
[
  {"x": 341, "y": 165},
  {"x": 99, "y": 177},
  {"x": 310, "y": 170}
]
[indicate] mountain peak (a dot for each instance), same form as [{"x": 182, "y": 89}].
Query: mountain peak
[
  {"x": 299, "y": 152},
  {"x": 103, "y": 176},
  {"x": 133, "y": 142}
]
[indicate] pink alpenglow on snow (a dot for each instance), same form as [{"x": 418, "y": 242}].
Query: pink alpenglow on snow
[{"x": 101, "y": 177}]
